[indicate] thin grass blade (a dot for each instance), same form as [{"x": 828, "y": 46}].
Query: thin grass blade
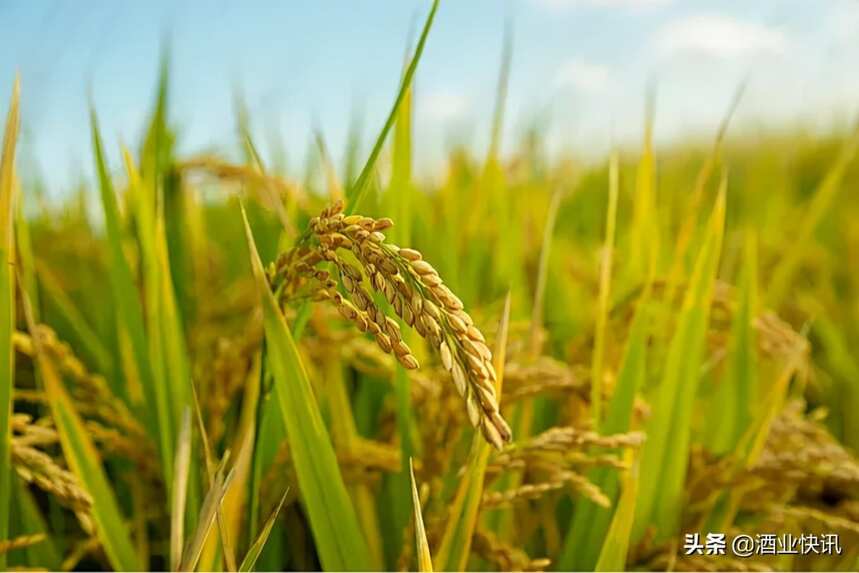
[
  {"x": 211, "y": 471},
  {"x": 604, "y": 291},
  {"x": 24, "y": 250},
  {"x": 250, "y": 560},
  {"x": 180, "y": 491},
  {"x": 424, "y": 557},
  {"x": 644, "y": 242},
  {"x": 543, "y": 273},
  {"x": 616, "y": 544},
  {"x": 359, "y": 189},
  {"x": 206, "y": 520}
]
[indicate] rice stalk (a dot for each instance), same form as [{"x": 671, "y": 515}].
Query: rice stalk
[{"x": 332, "y": 514}]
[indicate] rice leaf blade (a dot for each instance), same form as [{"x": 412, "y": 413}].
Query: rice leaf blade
[
  {"x": 591, "y": 522},
  {"x": 644, "y": 242},
  {"x": 359, "y": 189},
  {"x": 333, "y": 521},
  {"x": 206, "y": 520},
  {"x": 180, "y": 491},
  {"x": 129, "y": 312},
  {"x": 604, "y": 292},
  {"x": 250, "y": 560},
  {"x": 7, "y": 308},
  {"x": 665, "y": 453},
  {"x": 616, "y": 545},
  {"x": 424, "y": 557},
  {"x": 31, "y": 521},
  {"x": 82, "y": 336},
  {"x": 737, "y": 394},
  {"x": 823, "y": 197}
]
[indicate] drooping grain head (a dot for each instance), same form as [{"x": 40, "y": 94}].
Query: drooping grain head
[{"x": 414, "y": 290}]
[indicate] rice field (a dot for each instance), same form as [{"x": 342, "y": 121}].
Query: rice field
[{"x": 528, "y": 364}]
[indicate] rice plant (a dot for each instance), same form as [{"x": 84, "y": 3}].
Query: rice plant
[{"x": 210, "y": 364}]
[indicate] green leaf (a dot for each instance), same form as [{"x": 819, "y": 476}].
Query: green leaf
[
  {"x": 256, "y": 548},
  {"x": 135, "y": 355},
  {"x": 27, "y": 265},
  {"x": 523, "y": 412},
  {"x": 177, "y": 369},
  {"x": 424, "y": 557},
  {"x": 162, "y": 210},
  {"x": 737, "y": 394},
  {"x": 333, "y": 521},
  {"x": 180, "y": 491},
  {"x": 268, "y": 433},
  {"x": 591, "y": 522},
  {"x": 690, "y": 225},
  {"x": 7, "y": 309},
  {"x": 169, "y": 388},
  {"x": 802, "y": 237},
  {"x": 665, "y": 454},
  {"x": 644, "y": 241},
  {"x": 345, "y": 437},
  {"x": 398, "y": 199},
  {"x": 357, "y": 191},
  {"x": 543, "y": 273},
  {"x": 501, "y": 96},
  {"x": 30, "y": 521},
  {"x": 208, "y": 514},
  {"x": 616, "y": 544},
  {"x": 842, "y": 361},
  {"x": 211, "y": 474},
  {"x": 604, "y": 292},
  {"x": 726, "y": 503},
  {"x": 81, "y": 335}
]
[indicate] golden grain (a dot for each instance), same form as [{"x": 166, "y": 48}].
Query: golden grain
[{"x": 415, "y": 292}]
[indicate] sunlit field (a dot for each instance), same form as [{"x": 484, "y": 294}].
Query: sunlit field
[{"x": 525, "y": 362}]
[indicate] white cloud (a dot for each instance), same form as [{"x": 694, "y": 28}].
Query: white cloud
[
  {"x": 842, "y": 23},
  {"x": 582, "y": 76},
  {"x": 719, "y": 36},
  {"x": 628, "y": 4},
  {"x": 443, "y": 105}
]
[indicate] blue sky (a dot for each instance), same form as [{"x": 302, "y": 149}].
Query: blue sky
[{"x": 583, "y": 65}]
